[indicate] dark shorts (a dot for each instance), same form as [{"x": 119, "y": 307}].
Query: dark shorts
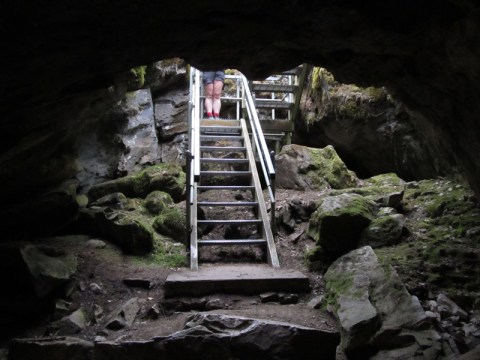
[{"x": 211, "y": 76}]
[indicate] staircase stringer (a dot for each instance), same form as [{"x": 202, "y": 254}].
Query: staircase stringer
[{"x": 267, "y": 233}]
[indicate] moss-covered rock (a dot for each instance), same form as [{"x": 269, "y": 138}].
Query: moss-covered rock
[
  {"x": 138, "y": 75},
  {"x": 171, "y": 222},
  {"x": 115, "y": 201},
  {"x": 338, "y": 222},
  {"x": 157, "y": 201},
  {"x": 303, "y": 168},
  {"x": 123, "y": 228},
  {"x": 383, "y": 231},
  {"x": 375, "y": 311},
  {"x": 169, "y": 178},
  {"x": 441, "y": 252}
]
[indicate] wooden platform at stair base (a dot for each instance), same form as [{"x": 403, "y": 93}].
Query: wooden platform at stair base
[{"x": 235, "y": 279}]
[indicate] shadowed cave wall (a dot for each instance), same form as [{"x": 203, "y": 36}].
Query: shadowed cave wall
[{"x": 65, "y": 63}]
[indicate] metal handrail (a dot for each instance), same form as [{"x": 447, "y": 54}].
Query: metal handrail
[
  {"x": 255, "y": 124},
  {"x": 193, "y": 155},
  {"x": 261, "y": 146}
]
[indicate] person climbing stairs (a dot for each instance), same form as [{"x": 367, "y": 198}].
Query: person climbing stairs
[{"x": 228, "y": 161}]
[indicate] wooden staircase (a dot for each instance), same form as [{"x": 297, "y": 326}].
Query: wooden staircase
[
  {"x": 280, "y": 95},
  {"x": 228, "y": 167}
]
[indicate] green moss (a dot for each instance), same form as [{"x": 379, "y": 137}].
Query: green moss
[
  {"x": 157, "y": 201},
  {"x": 385, "y": 180},
  {"x": 349, "y": 108},
  {"x": 327, "y": 166},
  {"x": 336, "y": 286},
  {"x": 139, "y": 73},
  {"x": 164, "y": 254},
  {"x": 173, "y": 257},
  {"x": 165, "y": 177},
  {"x": 320, "y": 78},
  {"x": 172, "y": 223},
  {"x": 170, "y": 260},
  {"x": 139, "y": 182},
  {"x": 355, "y": 205},
  {"x": 438, "y": 252},
  {"x": 376, "y": 93}
]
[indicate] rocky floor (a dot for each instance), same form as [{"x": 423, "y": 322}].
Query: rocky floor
[{"x": 119, "y": 298}]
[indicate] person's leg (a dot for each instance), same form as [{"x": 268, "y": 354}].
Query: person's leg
[
  {"x": 217, "y": 92},
  {"x": 209, "y": 99},
  {"x": 208, "y": 79}
]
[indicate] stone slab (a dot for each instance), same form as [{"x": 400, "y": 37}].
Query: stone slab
[{"x": 235, "y": 279}]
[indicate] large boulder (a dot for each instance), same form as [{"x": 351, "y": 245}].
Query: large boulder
[
  {"x": 377, "y": 315},
  {"x": 383, "y": 231},
  {"x": 124, "y": 228},
  {"x": 171, "y": 222},
  {"x": 30, "y": 276},
  {"x": 303, "y": 168},
  {"x": 157, "y": 201},
  {"x": 338, "y": 222},
  {"x": 169, "y": 178},
  {"x": 48, "y": 267}
]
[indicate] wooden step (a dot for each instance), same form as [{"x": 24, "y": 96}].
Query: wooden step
[
  {"x": 235, "y": 279},
  {"x": 278, "y": 136},
  {"x": 225, "y": 187},
  {"x": 221, "y": 137},
  {"x": 225, "y": 173},
  {"x": 219, "y": 129},
  {"x": 272, "y": 104},
  {"x": 230, "y": 222},
  {"x": 223, "y": 242},
  {"x": 294, "y": 72},
  {"x": 219, "y": 122},
  {"x": 222, "y": 148},
  {"x": 227, "y": 203},
  {"x": 269, "y": 87},
  {"x": 224, "y": 160}
]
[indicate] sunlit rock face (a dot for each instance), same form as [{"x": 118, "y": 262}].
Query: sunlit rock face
[{"x": 63, "y": 65}]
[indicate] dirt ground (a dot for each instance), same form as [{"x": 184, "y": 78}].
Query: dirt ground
[{"x": 107, "y": 267}]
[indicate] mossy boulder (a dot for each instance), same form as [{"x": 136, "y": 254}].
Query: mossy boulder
[
  {"x": 123, "y": 228},
  {"x": 304, "y": 168},
  {"x": 115, "y": 201},
  {"x": 157, "y": 201},
  {"x": 383, "y": 231},
  {"x": 338, "y": 222},
  {"x": 48, "y": 267},
  {"x": 169, "y": 178},
  {"x": 171, "y": 222},
  {"x": 388, "y": 180},
  {"x": 375, "y": 311}
]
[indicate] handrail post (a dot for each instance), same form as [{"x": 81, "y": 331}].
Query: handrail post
[
  {"x": 188, "y": 159},
  {"x": 273, "y": 220}
]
